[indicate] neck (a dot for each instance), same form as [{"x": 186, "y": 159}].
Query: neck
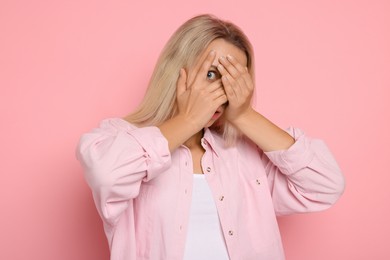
[{"x": 194, "y": 141}]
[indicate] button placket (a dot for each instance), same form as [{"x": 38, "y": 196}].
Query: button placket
[{"x": 186, "y": 189}]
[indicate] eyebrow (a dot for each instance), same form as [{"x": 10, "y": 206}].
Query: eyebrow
[{"x": 213, "y": 67}]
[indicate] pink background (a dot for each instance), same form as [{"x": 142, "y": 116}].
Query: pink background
[{"x": 65, "y": 65}]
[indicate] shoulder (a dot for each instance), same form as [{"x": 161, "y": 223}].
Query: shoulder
[
  {"x": 116, "y": 123},
  {"x": 110, "y": 127}
]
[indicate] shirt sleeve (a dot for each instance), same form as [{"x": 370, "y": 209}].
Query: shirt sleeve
[
  {"x": 303, "y": 178},
  {"x": 117, "y": 157}
]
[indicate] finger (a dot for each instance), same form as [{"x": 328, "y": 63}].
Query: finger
[
  {"x": 238, "y": 66},
  {"x": 231, "y": 92},
  {"x": 229, "y": 67},
  {"x": 204, "y": 68},
  {"x": 218, "y": 92},
  {"x": 248, "y": 81},
  {"x": 245, "y": 81},
  {"x": 222, "y": 70},
  {"x": 245, "y": 75},
  {"x": 215, "y": 85},
  {"x": 225, "y": 81},
  {"x": 181, "y": 82},
  {"x": 221, "y": 100}
]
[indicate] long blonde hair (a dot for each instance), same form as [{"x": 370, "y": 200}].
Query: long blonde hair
[{"x": 182, "y": 51}]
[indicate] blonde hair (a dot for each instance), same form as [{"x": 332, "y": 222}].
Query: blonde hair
[{"x": 182, "y": 51}]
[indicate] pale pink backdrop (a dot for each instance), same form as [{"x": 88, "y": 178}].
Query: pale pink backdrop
[{"x": 323, "y": 66}]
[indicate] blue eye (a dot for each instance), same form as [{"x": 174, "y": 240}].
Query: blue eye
[{"x": 211, "y": 75}]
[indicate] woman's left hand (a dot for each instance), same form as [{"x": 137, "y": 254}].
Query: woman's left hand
[{"x": 238, "y": 86}]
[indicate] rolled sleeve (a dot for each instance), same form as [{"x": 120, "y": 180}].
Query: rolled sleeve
[
  {"x": 296, "y": 157},
  {"x": 117, "y": 157},
  {"x": 303, "y": 178},
  {"x": 156, "y": 148}
]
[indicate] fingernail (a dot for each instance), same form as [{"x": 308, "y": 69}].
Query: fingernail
[
  {"x": 220, "y": 67},
  {"x": 222, "y": 58},
  {"x": 229, "y": 57},
  {"x": 212, "y": 52}
]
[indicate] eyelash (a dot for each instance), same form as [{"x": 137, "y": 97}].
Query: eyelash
[{"x": 215, "y": 73}]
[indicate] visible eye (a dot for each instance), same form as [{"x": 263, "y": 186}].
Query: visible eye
[{"x": 212, "y": 75}]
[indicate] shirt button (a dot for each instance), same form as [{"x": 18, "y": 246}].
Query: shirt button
[
  {"x": 208, "y": 169},
  {"x": 186, "y": 163},
  {"x": 185, "y": 191},
  {"x": 258, "y": 182},
  {"x": 180, "y": 227},
  {"x": 230, "y": 232},
  {"x": 221, "y": 198}
]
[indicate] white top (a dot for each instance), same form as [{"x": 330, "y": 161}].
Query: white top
[{"x": 204, "y": 238}]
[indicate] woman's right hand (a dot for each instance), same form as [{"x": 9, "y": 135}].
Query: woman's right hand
[{"x": 199, "y": 99}]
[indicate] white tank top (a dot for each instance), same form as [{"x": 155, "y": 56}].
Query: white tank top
[{"x": 204, "y": 238}]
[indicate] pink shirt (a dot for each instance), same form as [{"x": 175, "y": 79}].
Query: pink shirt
[{"x": 143, "y": 192}]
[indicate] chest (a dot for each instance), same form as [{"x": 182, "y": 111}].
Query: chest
[
  {"x": 227, "y": 173},
  {"x": 196, "y": 158},
  {"x": 237, "y": 184}
]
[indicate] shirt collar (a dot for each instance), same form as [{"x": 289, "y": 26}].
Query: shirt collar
[{"x": 209, "y": 137}]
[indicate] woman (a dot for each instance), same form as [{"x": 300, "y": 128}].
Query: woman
[{"x": 195, "y": 172}]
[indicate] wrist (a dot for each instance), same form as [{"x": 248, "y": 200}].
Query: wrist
[
  {"x": 243, "y": 117},
  {"x": 191, "y": 124},
  {"x": 177, "y": 130}
]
